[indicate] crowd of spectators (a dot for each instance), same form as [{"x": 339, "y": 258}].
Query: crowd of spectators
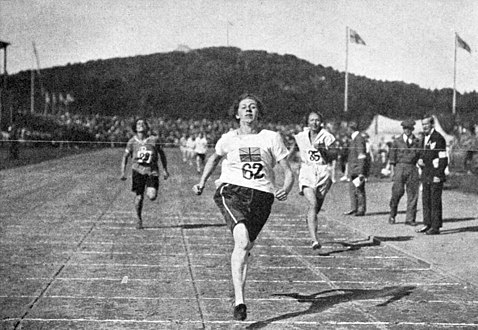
[
  {"x": 115, "y": 130},
  {"x": 77, "y": 130}
]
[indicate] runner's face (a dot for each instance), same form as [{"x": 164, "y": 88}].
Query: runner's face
[
  {"x": 247, "y": 110},
  {"x": 140, "y": 126},
  {"x": 314, "y": 122}
]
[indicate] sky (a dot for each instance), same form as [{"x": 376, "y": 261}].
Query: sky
[{"x": 406, "y": 40}]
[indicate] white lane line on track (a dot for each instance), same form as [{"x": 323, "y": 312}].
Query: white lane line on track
[
  {"x": 175, "y": 322},
  {"x": 332, "y": 284},
  {"x": 182, "y": 265},
  {"x": 456, "y": 302},
  {"x": 47, "y": 286},
  {"x": 192, "y": 275},
  {"x": 68, "y": 279},
  {"x": 228, "y": 323}
]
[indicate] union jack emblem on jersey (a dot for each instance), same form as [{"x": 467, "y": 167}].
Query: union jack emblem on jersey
[{"x": 250, "y": 154}]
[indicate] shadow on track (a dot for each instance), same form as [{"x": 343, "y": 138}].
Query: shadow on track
[
  {"x": 352, "y": 246},
  {"x": 458, "y": 219},
  {"x": 394, "y": 238},
  {"x": 459, "y": 230},
  {"x": 189, "y": 226},
  {"x": 383, "y": 213},
  {"x": 322, "y": 301}
]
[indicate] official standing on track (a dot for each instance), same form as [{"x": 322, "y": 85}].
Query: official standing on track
[
  {"x": 403, "y": 159},
  {"x": 357, "y": 167},
  {"x": 314, "y": 175},
  {"x": 433, "y": 161},
  {"x": 246, "y": 187}
]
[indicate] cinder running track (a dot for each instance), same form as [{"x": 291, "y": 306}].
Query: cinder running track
[{"x": 71, "y": 259}]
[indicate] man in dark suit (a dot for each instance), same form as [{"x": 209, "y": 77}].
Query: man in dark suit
[
  {"x": 433, "y": 161},
  {"x": 357, "y": 162},
  {"x": 403, "y": 159}
]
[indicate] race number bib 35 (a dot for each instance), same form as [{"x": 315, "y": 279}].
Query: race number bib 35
[{"x": 314, "y": 155}]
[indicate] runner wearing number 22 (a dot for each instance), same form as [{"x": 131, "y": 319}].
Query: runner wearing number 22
[
  {"x": 144, "y": 149},
  {"x": 246, "y": 188}
]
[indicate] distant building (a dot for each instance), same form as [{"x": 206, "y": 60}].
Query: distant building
[{"x": 183, "y": 48}]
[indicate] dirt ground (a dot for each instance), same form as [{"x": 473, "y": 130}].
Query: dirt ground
[{"x": 72, "y": 258}]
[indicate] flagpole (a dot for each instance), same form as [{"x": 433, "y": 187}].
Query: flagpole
[
  {"x": 453, "y": 107},
  {"x": 32, "y": 91},
  {"x": 227, "y": 33},
  {"x": 346, "y": 69}
]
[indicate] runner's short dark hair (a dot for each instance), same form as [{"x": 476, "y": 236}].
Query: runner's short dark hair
[
  {"x": 235, "y": 105},
  {"x": 133, "y": 125},
  {"x": 321, "y": 117}
]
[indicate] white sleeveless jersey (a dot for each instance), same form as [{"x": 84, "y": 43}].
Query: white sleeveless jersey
[
  {"x": 200, "y": 145},
  {"x": 183, "y": 142},
  {"x": 190, "y": 144},
  {"x": 250, "y": 159},
  {"x": 309, "y": 155}
]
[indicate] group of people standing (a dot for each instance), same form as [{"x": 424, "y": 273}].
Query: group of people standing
[
  {"x": 193, "y": 149},
  {"x": 245, "y": 190},
  {"x": 415, "y": 160}
]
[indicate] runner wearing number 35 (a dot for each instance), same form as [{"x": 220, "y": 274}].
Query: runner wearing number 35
[
  {"x": 314, "y": 176},
  {"x": 144, "y": 149},
  {"x": 246, "y": 188}
]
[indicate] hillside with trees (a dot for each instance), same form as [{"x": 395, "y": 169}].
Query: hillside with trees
[{"x": 203, "y": 83}]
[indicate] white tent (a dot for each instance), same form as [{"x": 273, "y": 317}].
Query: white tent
[{"x": 382, "y": 129}]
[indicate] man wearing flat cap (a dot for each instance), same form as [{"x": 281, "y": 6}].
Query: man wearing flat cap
[{"x": 404, "y": 155}]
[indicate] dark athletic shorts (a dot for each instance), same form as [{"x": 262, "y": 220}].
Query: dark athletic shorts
[
  {"x": 242, "y": 204},
  {"x": 201, "y": 156},
  {"x": 141, "y": 181}
]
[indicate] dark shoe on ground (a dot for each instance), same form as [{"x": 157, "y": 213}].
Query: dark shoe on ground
[
  {"x": 424, "y": 229},
  {"x": 359, "y": 214},
  {"x": 316, "y": 246},
  {"x": 410, "y": 223},
  {"x": 350, "y": 212},
  {"x": 240, "y": 312},
  {"x": 432, "y": 231},
  {"x": 391, "y": 220}
]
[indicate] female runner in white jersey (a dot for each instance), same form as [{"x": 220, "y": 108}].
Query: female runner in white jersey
[
  {"x": 314, "y": 176},
  {"x": 246, "y": 188}
]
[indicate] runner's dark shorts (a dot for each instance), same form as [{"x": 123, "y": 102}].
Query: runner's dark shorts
[
  {"x": 242, "y": 204},
  {"x": 202, "y": 157},
  {"x": 141, "y": 181}
]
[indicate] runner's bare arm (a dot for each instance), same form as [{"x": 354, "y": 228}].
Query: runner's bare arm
[
  {"x": 124, "y": 162},
  {"x": 282, "y": 193},
  {"x": 210, "y": 166},
  {"x": 164, "y": 162}
]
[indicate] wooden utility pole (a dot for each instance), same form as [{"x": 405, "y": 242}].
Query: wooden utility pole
[{"x": 3, "y": 90}]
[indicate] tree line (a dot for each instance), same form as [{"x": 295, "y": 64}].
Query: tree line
[{"x": 203, "y": 83}]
